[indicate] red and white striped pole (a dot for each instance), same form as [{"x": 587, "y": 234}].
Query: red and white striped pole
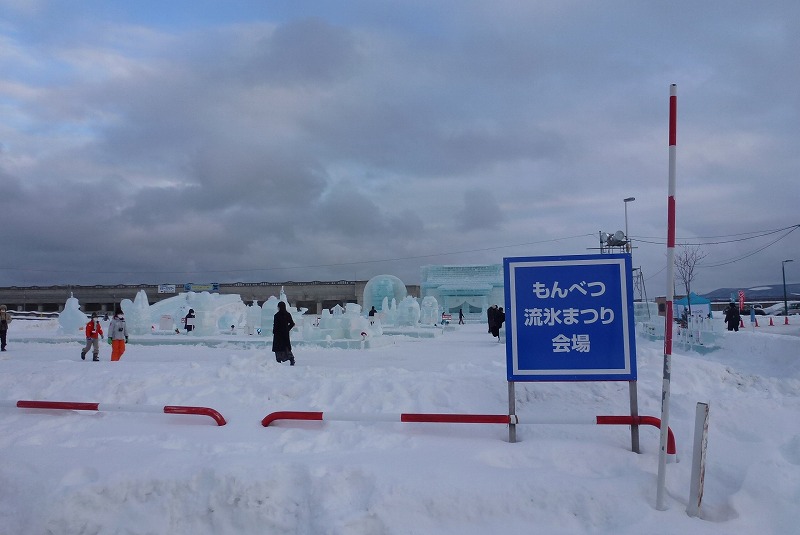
[
  {"x": 669, "y": 321},
  {"x": 107, "y": 407}
]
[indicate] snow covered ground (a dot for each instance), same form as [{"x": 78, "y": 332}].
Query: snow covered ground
[{"x": 87, "y": 472}]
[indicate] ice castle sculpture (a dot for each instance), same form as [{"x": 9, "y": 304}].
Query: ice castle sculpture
[{"x": 469, "y": 288}]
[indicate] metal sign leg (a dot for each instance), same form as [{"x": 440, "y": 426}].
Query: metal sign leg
[
  {"x": 634, "y": 413},
  {"x": 512, "y": 411}
]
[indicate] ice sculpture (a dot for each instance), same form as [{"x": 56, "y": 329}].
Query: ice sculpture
[
  {"x": 429, "y": 311},
  {"x": 383, "y": 288},
  {"x": 344, "y": 324},
  {"x": 408, "y": 312},
  {"x": 137, "y": 314},
  {"x": 71, "y": 319}
]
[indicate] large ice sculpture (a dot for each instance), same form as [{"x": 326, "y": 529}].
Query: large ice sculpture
[
  {"x": 71, "y": 319},
  {"x": 429, "y": 311},
  {"x": 344, "y": 324},
  {"x": 137, "y": 314},
  {"x": 214, "y": 313},
  {"x": 408, "y": 312},
  {"x": 383, "y": 288}
]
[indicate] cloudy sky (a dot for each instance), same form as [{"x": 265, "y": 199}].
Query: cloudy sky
[{"x": 200, "y": 141}]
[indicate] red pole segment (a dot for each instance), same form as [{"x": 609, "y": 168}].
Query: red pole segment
[
  {"x": 457, "y": 418},
  {"x": 290, "y": 415},
  {"x": 81, "y": 406},
  {"x": 61, "y": 405},
  {"x": 200, "y": 411},
  {"x": 639, "y": 420}
]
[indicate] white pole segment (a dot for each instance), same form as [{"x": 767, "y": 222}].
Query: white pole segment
[
  {"x": 116, "y": 407},
  {"x": 360, "y": 417}
]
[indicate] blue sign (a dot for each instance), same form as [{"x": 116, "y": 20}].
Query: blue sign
[
  {"x": 209, "y": 287},
  {"x": 570, "y": 318}
]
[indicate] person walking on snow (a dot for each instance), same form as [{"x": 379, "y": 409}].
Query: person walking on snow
[
  {"x": 732, "y": 317},
  {"x": 281, "y": 343},
  {"x": 117, "y": 335},
  {"x": 5, "y": 319},
  {"x": 94, "y": 331},
  {"x": 499, "y": 319}
]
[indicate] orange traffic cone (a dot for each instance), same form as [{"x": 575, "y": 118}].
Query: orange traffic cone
[
  {"x": 741, "y": 323},
  {"x": 786, "y": 320},
  {"x": 756, "y": 321},
  {"x": 770, "y": 322}
]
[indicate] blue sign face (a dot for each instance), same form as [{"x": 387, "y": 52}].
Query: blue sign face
[{"x": 570, "y": 318}]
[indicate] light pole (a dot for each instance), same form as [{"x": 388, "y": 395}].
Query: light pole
[
  {"x": 626, "y": 201},
  {"x": 785, "y": 302}
]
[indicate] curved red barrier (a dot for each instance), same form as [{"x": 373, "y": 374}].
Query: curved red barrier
[
  {"x": 202, "y": 411},
  {"x": 290, "y": 415},
  {"x": 639, "y": 420},
  {"x": 81, "y": 406}
]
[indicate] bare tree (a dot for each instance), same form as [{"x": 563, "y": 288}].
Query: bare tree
[{"x": 685, "y": 263}]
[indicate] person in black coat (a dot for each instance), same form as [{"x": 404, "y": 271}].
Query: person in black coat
[
  {"x": 499, "y": 318},
  {"x": 281, "y": 343},
  {"x": 732, "y": 317},
  {"x": 188, "y": 321},
  {"x": 491, "y": 314}
]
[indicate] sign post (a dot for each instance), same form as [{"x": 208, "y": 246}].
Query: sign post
[{"x": 570, "y": 318}]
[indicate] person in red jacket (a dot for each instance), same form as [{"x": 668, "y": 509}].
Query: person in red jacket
[{"x": 94, "y": 332}]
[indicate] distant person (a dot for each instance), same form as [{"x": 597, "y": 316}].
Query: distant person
[
  {"x": 460, "y": 317},
  {"x": 499, "y": 319},
  {"x": 189, "y": 321},
  {"x": 372, "y": 313},
  {"x": 732, "y": 317},
  {"x": 117, "y": 335},
  {"x": 5, "y": 319},
  {"x": 94, "y": 332},
  {"x": 281, "y": 326},
  {"x": 491, "y": 314}
]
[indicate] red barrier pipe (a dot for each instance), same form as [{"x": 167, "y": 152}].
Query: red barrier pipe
[
  {"x": 477, "y": 419},
  {"x": 202, "y": 411},
  {"x": 457, "y": 418},
  {"x": 80, "y": 406},
  {"x": 639, "y": 420},
  {"x": 290, "y": 415},
  {"x": 62, "y": 405}
]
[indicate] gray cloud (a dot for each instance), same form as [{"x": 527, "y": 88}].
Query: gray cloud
[{"x": 350, "y": 140}]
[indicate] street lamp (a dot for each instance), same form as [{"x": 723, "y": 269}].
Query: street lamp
[
  {"x": 785, "y": 302},
  {"x": 626, "y": 201}
]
